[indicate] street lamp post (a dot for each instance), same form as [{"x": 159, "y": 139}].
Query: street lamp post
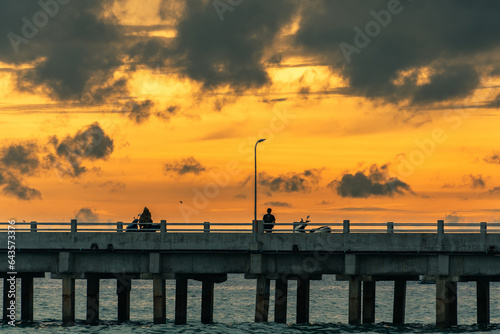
[{"x": 255, "y": 192}]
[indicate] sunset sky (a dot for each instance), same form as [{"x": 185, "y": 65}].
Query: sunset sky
[{"x": 372, "y": 111}]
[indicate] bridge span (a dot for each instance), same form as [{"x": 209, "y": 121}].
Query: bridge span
[{"x": 361, "y": 259}]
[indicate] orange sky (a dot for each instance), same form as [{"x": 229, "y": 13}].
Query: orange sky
[{"x": 438, "y": 150}]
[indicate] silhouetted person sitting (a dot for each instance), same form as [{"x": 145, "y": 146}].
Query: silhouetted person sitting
[
  {"x": 269, "y": 221},
  {"x": 145, "y": 220}
]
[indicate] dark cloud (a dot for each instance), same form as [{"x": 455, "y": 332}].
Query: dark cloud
[
  {"x": 65, "y": 156},
  {"x": 494, "y": 191},
  {"x": 443, "y": 37},
  {"x": 476, "y": 181},
  {"x": 452, "y": 218},
  {"x": 240, "y": 196},
  {"x": 218, "y": 54},
  {"x": 279, "y": 204},
  {"x": 365, "y": 209},
  {"x": 374, "y": 182},
  {"x": 17, "y": 160},
  {"x": 114, "y": 186},
  {"x": 13, "y": 187},
  {"x": 167, "y": 113},
  {"x": 185, "y": 166},
  {"x": 138, "y": 112},
  {"x": 493, "y": 158},
  {"x": 76, "y": 47},
  {"x": 22, "y": 157},
  {"x": 90, "y": 143},
  {"x": 86, "y": 215},
  {"x": 291, "y": 182}
]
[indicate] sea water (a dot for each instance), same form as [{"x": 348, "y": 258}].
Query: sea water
[{"x": 234, "y": 309}]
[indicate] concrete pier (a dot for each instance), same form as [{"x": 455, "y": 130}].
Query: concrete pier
[
  {"x": 93, "y": 300},
  {"x": 280, "y": 300},
  {"x": 68, "y": 300},
  {"x": 262, "y": 299},
  {"x": 209, "y": 257},
  {"x": 399, "y": 310},
  {"x": 181, "y": 290},
  {"x": 368, "y": 302},
  {"x": 483, "y": 301},
  {"x": 123, "y": 287},
  {"x": 27, "y": 298},
  {"x": 207, "y": 302},
  {"x": 159, "y": 300},
  {"x": 354, "y": 300},
  {"x": 446, "y": 302},
  {"x": 303, "y": 292},
  {"x": 7, "y": 298}
]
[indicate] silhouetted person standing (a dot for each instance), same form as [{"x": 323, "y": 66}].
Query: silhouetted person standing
[
  {"x": 269, "y": 221},
  {"x": 145, "y": 220}
]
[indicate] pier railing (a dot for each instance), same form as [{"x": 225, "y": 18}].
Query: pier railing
[{"x": 207, "y": 227}]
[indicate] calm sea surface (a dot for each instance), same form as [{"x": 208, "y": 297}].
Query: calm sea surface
[{"x": 234, "y": 309}]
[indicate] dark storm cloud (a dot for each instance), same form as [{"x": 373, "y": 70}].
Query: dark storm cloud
[
  {"x": 86, "y": 215},
  {"x": 185, "y": 166},
  {"x": 76, "y": 47},
  {"x": 375, "y": 182},
  {"x": 215, "y": 53},
  {"x": 66, "y": 156},
  {"x": 291, "y": 182},
  {"x": 90, "y": 143},
  {"x": 17, "y": 160},
  {"x": 15, "y": 188},
  {"x": 22, "y": 157},
  {"x": 444, "y": 36}
]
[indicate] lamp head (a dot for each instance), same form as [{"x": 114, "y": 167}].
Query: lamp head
[{"x": 261, "y": 140}]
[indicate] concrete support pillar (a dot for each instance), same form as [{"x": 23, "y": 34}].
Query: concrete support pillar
[
  {"x": 280, "y": 300},
  {"x": 354, "y": 300},
  {"x": 7, "y": 299},
  {"x": 446, "y": 303},
  {"x": 369, "y": 302},
  {"x": 27, "y": 298},
  {"x": 262, "y": 299},
  {"x": 303, "y": 291},
  {"x": 399, "y": 310},
  {"x": 123, "y": 287},
  {"x": 207, "y": 302},
  {"x": 181, "y": 289},
  {"x": 483, "y": 302},
  {"x": 159, "y": 300},
  {"x": 93, "y": 300},
  {"x": 68, "y": 300}
]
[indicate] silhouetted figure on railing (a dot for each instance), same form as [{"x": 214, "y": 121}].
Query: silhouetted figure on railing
[
  {"x": 269, "y": 221},
  {"x": 144, "y": 222}
]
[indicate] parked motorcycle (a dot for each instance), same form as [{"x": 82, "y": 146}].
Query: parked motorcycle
[{"x": 300, "y": 227}]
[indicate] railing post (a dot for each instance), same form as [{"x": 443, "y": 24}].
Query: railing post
[
  {"x": 73, "y": 225},
  {"x": 346, "y": 226},
  {"x": 483, "y": 227},
  {"x": 440, "y": 226},
  {"x": 119, "y": 226},
  {"x": 163, "y": 226},
  {"x": 260, "y": 226},
  {"x": 206, "y": 227},
  {"x": 390, "y": 227},
  {"x": 33, "y": 226}
]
